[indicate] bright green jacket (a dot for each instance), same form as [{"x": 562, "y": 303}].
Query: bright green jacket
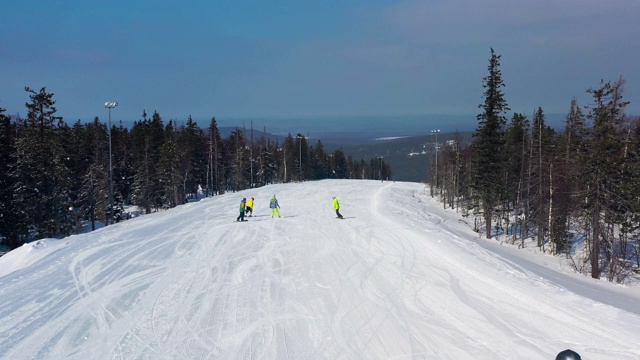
[{"x": 336, "y": 204}]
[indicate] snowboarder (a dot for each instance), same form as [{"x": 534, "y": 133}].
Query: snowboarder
[
  {"x": 336, "y": 205},
  {"x": 243, "y": 204},
  {"x": 275, "y": 207},
  {"x": 249, "y": 210}
]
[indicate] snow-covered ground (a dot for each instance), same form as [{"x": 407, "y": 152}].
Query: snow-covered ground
[{"x": 398, "y": 278}]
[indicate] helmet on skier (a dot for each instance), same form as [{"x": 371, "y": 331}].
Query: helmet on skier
[{"x": 568, "y": 355}]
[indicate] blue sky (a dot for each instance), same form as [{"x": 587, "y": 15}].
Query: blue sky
[{"x": 256, "y": 59}]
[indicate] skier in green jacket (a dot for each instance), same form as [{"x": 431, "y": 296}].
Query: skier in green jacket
[
  {"x": 243, "y": 205},
  {"x": 336, "y": 205}
]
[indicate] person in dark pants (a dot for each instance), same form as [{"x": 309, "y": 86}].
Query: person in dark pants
[
  {"x": 243, "y": 205},
  {"x": 336, "y": 205}
]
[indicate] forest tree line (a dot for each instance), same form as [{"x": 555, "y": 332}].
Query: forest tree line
[
  {"x": 56, "y": 177},
  {"x": 521, "y": 179}
]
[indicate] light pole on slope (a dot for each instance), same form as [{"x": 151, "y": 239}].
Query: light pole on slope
[
  {"x": 435, "y": 132},
  {"x": 110, "y": 105},
  {"x": 300, "y": 137}
]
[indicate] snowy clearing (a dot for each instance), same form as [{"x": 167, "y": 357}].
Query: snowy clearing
[{"x": 399, "y": 278}]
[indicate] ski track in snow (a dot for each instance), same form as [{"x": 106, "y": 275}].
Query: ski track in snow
[{"x": 398, "y": 278}]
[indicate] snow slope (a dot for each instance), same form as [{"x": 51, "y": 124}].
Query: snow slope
[{"x": 399, "y": 278}]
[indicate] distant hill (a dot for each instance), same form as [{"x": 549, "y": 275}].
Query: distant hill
[{"x": 409, "y": 157}]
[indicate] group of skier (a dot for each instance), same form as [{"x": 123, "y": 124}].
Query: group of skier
[{"x": 246, "y": 208}]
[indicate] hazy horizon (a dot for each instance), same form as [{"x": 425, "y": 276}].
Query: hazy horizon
[{"x": 383, "y": 125}]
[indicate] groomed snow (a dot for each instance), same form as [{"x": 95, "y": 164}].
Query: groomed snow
[{"x": 399, "y": 278}]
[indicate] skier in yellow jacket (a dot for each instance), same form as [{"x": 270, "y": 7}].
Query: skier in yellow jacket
[
  {"x": 336, "y": 205},
  {"x": 249, "y": 210}
]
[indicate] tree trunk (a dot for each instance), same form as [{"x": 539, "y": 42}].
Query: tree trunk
[
  {"x": 550, "y": 219},
  {"x": 487, "y": 219},
  {"x": 595, "y": 248}
]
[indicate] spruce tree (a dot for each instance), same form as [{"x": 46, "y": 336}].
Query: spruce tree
[
  {"x": 95, "y": 180},
  {"x": 216, "y": 165},
  {"x": 123, "y": 169},
  {"x": 339, "y": 168},
  {"x": 73, "y": 140},
  {"x": 267, "y": 164},
  {"x": 516, "y": 144},
  {"x": 41, "y": 187},
  {"x": 489, "y": 142},
  {"x": 147, "y": 139},
  {"x": 320, "y": 161},
  {"x": 568, "y": 147},
  {"x": 604, "y": 165},
  {"x": 192, "y": 157},
  {"x": 540, "y": 174},
  {"x": 7, "y": 162},
  {"x": 238, "y": 160},
  {"x": 169, "y": 172}
]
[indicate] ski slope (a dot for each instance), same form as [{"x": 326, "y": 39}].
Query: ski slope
[{"x": 398, "y": 278}]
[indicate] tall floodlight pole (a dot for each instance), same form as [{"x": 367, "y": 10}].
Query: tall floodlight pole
[
  {"x": 300, "y": 141},
  {"x": 435, "y": 132},
  {"x": 110, "y": 105},
  {"x": 381, "y": 168}
]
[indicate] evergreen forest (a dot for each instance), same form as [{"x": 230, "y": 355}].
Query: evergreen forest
[
  {"x": 57, "y": 177},
  {"x": 520, "y": 179}
]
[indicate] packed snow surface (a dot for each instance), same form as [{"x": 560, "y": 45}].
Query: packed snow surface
[{"x": 398, "y": 278}]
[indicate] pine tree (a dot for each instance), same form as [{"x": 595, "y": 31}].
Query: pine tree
[
  {"x": 8, "y": 216},
  {"x": 76, "y": 161},
  {"x": 489, "y": 154},
  {"x": 540, "y": 194},
  {"x": 238, "y": 160},
  {"x": 568, "y": 177},
  {"x": 216, "y": 165},
  {"x": 123, "y": 166},
  {"x": 192, "y": 158},
  {"x": 41, "y": 187},
  {"x": 147, "y": 139},
  {"x": 322, "y": 166},
  {"x": 517, "y": 142},
  {"x": 95, "y": 179},
  {"x": 604, "y": 165},
  {"x": 169, "y": 174},
  {"x": 290, "y": 160},
  {"x": 339, "y": 166},
  {"x": 267, "y": 164}
]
